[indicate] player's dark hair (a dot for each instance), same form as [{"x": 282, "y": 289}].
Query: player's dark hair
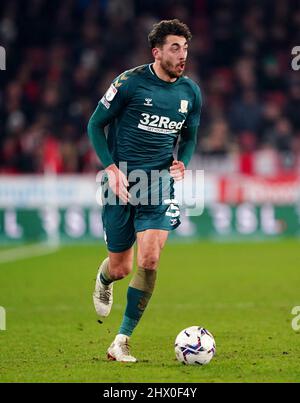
[{"x": 167, "y": 27}]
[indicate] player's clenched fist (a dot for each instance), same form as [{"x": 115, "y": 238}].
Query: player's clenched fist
[
  {"x": 118, "y": 182},
  {"x": 177, "y": 170}
]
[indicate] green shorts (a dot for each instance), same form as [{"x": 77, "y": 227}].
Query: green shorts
[{"x": 122, "y": 222}]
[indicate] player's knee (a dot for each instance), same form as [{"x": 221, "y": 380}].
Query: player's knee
[
  {"x": 149, "y": 261},
  {"x": 120, "y": 271}
]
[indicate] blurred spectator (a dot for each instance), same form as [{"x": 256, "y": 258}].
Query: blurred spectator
[
  {"x": 292, "y": 110},
  {"x": 246, "y": 113},
  {"x": 281, "y": 136},
  {"x": 217, "y": 143}
]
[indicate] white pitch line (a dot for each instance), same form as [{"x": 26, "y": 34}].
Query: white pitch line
[{"x": 26, "y": 252}]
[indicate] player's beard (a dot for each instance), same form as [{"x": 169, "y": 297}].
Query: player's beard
[{"x": 170, "y": 69}]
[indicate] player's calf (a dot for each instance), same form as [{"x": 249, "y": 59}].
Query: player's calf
[{"x": 138, "y": 295}]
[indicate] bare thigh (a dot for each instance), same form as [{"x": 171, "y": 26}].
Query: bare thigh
[{"x": 150, "y": 244}]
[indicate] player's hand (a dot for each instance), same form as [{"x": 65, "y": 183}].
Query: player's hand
[
  {"x": 118, "y": 182},
  {"x": 177, "y": 170}
]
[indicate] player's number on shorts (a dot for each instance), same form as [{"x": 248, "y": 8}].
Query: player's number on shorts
[{"x": 173, "y": 209}]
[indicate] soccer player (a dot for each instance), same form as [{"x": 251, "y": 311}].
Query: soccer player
[{"x": 146, "y": 109}]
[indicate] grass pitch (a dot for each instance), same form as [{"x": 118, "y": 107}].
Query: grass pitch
[{"x": 243, "y": 293}]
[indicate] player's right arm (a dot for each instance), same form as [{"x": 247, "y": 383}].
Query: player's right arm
[{"x": 108, "y": 108}]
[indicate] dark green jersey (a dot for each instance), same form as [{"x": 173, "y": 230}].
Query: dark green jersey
[{"x": 147, "y": 115}]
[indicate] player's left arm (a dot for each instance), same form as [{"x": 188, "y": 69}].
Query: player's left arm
[
  {"x": 186, "y": 149},
  {"x": 188, "y": 140}
]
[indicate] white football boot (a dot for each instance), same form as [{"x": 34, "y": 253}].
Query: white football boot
[
  {"x": 119, "y": 350},
  {"x": 103, "y": 297}
]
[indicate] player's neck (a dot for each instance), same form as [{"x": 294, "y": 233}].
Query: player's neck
[{"x": 162, "y": 74}]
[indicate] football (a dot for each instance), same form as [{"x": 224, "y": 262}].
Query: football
[{"x": 195, "y": 346}]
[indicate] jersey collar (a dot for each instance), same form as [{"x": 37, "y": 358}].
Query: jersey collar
[{"x": 151, "y": 69}]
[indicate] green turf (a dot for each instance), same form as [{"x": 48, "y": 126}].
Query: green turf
[{"x": 243, "y": 293}]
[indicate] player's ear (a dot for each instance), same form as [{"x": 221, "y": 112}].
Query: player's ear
[{"x": 156, "y": 53}]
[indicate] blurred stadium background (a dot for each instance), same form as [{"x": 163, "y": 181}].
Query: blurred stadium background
[{"x": 61, "y": 58}]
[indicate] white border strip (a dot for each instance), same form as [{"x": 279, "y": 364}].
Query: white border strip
[{"x": 27, "y": 252}]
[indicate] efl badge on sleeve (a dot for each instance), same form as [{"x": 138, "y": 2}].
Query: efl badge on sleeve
[{"x": 111, "y": 93}]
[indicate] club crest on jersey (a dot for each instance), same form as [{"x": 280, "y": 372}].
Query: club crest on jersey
[
  {"x": 183, "y": 106},
  {"x": 111, "y": 93},
  {"x": 148, "y": 102}
]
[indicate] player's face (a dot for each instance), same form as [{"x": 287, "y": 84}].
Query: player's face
[{"x": 172, "y": 55}]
